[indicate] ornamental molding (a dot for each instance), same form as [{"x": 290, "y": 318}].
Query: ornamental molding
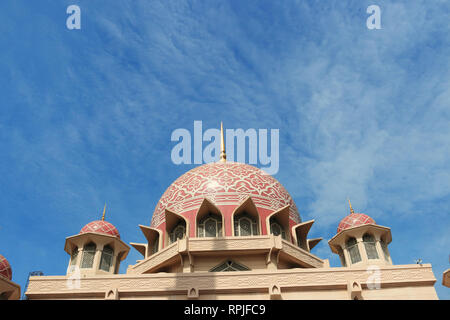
[{"x": 248, "y": 281}]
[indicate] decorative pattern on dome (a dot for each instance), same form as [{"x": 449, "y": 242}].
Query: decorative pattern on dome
[
  {"x": 353, "y": 220},
  {"x": 223, "y": 184},
  {"x": 101, "y": 226},
  {"x": 5, "y": 268}
]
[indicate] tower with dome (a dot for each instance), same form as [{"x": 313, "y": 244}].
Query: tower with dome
[{"x": 228, "y": 230}]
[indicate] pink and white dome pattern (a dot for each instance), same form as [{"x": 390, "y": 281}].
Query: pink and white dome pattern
[
  {"x": 5, "y": 268},
  {"x": 224, "y": 183},
  {"x": 354, "y": 220},
  {"x": 101, "y": 226}
]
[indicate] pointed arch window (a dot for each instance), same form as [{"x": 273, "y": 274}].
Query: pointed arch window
[
  {"x": 107, "y": 258},
  {"x": 88, "y": 255},
  {"x": 353, "y": 250},
  {"x": 178, "y": 232},
  {"x": 277, "y": 229},
  {"x": 229, "y": 266},
  {"x": 245, "y": 225},
  {"x": 370, "y": 245},
  {"x": 210, "y": 226}
]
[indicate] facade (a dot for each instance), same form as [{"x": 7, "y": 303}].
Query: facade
[{"x": 227, "y": 230}]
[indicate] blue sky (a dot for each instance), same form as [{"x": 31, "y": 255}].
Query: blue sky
[{"x": 86, "y": 115}]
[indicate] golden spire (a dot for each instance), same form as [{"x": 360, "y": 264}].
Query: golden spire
[
  {"x": 104, "y": 210},
  {"x": 223, "y": 155},
  {"x": 350, "y": 204}
]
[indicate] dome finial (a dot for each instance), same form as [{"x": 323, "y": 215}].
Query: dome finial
[
  {"x": 104, "y": 210},
  {"x": 350, "y": 204},
  {"x": 223, "y": 155}
]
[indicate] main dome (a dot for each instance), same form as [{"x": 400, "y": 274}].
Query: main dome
[{"x": 224, "y": 183}]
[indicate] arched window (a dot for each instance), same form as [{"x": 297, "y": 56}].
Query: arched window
[
  {"x": 178, "y": 232},
  {"x": 245, "y": 225},
  {"x": 74, "y": 256},
  {"x": 370, "y": 245},
  {"x": 385, "y": 249},
  {"x": 277, "y": 229},
  {"x": 210, "y": 226},
  {"x": 88, "y": 255},
  {"x": 352, "y": 248},
  {"x": 342, "y": 256},
  {"x": 107, "y": 258},
  {"x": 229, "y": 266}
]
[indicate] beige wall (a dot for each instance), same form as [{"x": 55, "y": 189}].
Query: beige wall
[{"x": 397, "y": 282}]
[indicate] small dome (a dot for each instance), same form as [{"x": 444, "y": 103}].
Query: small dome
[
  {"x": 5, "y": 268},
  {"x": 353, "y": 220},
  {"x": 101, "y": 226}
]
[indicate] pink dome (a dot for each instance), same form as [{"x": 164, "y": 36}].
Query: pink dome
[
  {"x": 224, "y": 184},
  {"x": 5, "y": 268},
  {"x": 101, "y": 226},
  {"x": 353, "y": 220}
]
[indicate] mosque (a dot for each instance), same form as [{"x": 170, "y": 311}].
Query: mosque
[{"x": 228, "y": 230}]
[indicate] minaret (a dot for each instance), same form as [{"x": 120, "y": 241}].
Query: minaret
[
  {"x": 360, "y": 241},
  {"x": 97, "y": 249}
]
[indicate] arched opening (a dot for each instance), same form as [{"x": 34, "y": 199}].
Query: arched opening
[
  {"x": 245, "y": 225},
  {"x": 178, "y": 232},
  {"x": 154, "y": 238},
  {"x": 300, "y": 235},
  {"x": 88, "y": 255},
  {"x": 370, "y": 246},
  {"x": 353, "y": 250},
  {"x": 277, "y": 229},
  {"x": 177, "y": 227},
  {"x": 106, "y": 259},
  {"x": 209, "y": 221},
  {"x": 245, "y": 219},
  {"x": 278, "y": 223},
  {"x": 210, "y": 226}
]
